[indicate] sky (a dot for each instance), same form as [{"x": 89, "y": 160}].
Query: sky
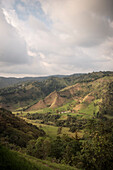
[{"x": 51, "y": 37}]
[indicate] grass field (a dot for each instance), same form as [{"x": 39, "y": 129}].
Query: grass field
[
  {"x": 88, "y": 110},
  {"x": 51, "y": 131}
]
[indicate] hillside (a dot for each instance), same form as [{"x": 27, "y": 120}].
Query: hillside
[
  {"x": 76, "y": 112},
  {"x": 27, "y": 94},
  {"x": 15, "y": 130},
  {"x": 83, "y": 93},
  {"x": 12, "y": 160},
  {"x": 6, "y": 82}
]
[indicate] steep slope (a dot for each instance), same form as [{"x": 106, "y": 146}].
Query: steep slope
[
  {"x": 82, "y": 93},
  {"x": 15, "y": 130},
  {"x": 52, "y": 100},
  {"x": 13, "y": 160},
  {"x": 28, "y": 93}
]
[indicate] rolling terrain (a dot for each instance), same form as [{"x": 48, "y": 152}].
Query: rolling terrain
[
  {"x": 10, "y": 81},
  {"x": 83, "y": 94},
  {"x": 54, "y": 91},
  {"x": 65, "y": 120},
  {"x": 27, "y": 93},
  {"x": 14, "y": 130},
  {"x": 15, "y": 136}
]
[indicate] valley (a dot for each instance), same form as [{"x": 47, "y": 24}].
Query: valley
[{"x": 60, "y": 119}]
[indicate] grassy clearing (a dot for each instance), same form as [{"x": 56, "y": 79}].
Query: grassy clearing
[
  {"x": 66, "y": 131},
  {"x": 66, "y": 106},
  {"x": 24, "y": 113},
  {"x": 88, "y": 110},
  {"x": 63, "y": 117},
  {"x": 51, "y": 131}
]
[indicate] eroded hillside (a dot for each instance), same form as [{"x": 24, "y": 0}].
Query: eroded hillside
[
  {"x": 82, "y": 93},
  {"x": 55, "y": 92}
]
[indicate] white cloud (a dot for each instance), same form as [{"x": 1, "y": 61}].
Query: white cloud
[
  {"x": 12, "y": 46},
  {"x": 57, "y": 37}
]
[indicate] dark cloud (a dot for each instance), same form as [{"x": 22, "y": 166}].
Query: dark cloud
[{"x": 104, "y": 8}]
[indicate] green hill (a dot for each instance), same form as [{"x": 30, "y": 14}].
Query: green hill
[
  {"x": 28, "y": 93},
  {"x": 24, "y": 95},
  {"x": 10, "y": 81},
  {"x": 12, "y": 160},
  {"x": 15, "y": 130},
  {"x": 77, "y": 109},
  {"x": 83, "y": 95}
]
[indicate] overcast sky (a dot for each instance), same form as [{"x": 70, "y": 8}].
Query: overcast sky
[{"x": 48, "y": 37}]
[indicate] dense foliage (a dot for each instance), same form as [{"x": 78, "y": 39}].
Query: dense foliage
[
  {"x": 94, "y": 152},
  {"x": 15, "y": 130},
  {"x": 97, "y": 148},
  {"x": 61, "y": 149},
  {"x": 50, "y": 119},
  {"x": 106, "y": 106}
]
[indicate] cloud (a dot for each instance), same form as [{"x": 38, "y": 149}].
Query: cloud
[
  {"x": 12, "y": 46},
  {"x": 104, "y": 8},
  {"x": 56, "y": 37},
  {"x": 80, "y": 20}
]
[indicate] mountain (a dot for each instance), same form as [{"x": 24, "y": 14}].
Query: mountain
[
  {"x": 54, "y": 99},
  {"x": 26, "y": 94},
  {"x": 6, "y": 82},
  {"x": 83, "y": 94}
]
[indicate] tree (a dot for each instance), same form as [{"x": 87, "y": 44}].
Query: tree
[
  {"x": 57, "y": 148},
  {"x": 106, "y": 106},
  {"x": 59, "y": 131},
  {"x": 97, "y": 148}
]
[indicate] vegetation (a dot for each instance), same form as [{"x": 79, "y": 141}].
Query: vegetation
[
  {"x": 13, "y": 160},
  {"x": 106, "y": 106},
  {"x": 97, "y": 149},
  {"x": 16, "y": 131},
  {"x": 29, "y": 91},
  {"x": 77, "y": 118},
  {"x": 93, "y": 152}
]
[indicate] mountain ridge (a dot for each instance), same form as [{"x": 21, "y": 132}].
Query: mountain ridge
[
  {"x": 25, "y": 95},
  {"x": 80, "y": 92}
]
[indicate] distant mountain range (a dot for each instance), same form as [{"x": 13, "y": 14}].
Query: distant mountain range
[{"x": 6, "y": 82}]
